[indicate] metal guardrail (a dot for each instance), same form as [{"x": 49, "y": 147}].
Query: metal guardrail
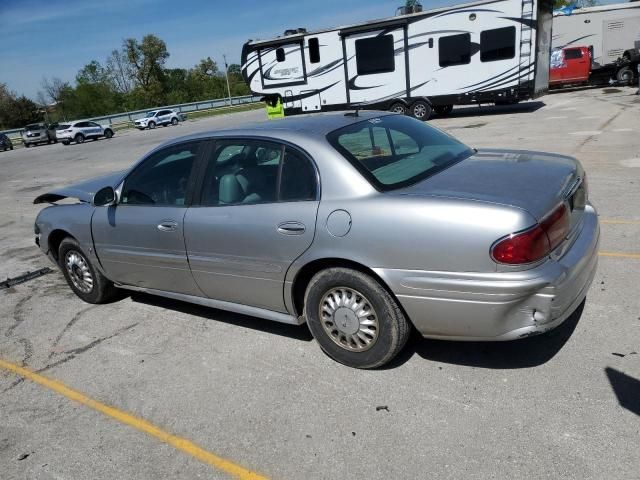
[{"x": 130, "y": 117}]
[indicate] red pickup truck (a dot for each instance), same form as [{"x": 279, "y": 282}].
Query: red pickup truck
[{"x": 570, "y": 66}]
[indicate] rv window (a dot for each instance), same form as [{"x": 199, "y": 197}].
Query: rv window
[
  {"x": 375, "y": 55},
  {"x": 498, "y": 44},
  {"x": 572, "y": 53},
  {"x": 280, "y": 54},
  {"x": 454, "y": 50},
  {"x": 314, "y": 50}
]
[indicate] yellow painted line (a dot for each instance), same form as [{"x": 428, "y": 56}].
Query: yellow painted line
[
  {"x": 620, "y": 254},
  {"x": 179, "y": 443},
  {"x": 612, "y": 221}
]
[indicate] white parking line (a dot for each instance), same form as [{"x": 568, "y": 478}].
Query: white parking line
[
  {"x": 555, "y": 118},
  {"x": 622, "y": 130},
  {"x": 586, "y": 132}
]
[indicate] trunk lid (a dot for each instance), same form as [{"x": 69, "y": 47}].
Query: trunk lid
[{"x": 533, "y": 181}]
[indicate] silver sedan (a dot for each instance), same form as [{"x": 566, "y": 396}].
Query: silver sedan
[{"x": 362, "y": 225}]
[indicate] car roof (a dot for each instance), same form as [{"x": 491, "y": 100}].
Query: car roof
[{"x": 316, "y": 124}]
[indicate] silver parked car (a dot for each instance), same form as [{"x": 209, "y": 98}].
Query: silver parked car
[
  {"x": 37, "y": 133},
  {"x": 361, "y": 225},
  {"x": 157, "y": 117}
]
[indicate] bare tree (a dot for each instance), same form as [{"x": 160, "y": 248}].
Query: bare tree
[
  {"x": 120, "y": 71},
  {"x": 53, "y": 88}
]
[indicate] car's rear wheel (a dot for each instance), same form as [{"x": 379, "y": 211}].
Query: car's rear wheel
[
  {"x": 85, "y": 281},
  {"x": 108, "y": 133},
  {"x": 420, "y": 109},
  {"x": 79, "y": 138},
  {"x": 625, "y": 75},
  {"x": 66, "y": 142},
  {"x": 26, "y": 145},
  {"x": 174, "y": 121},
  {"x": 152, "y": 125},
  {"x": 354, "y": 319}
]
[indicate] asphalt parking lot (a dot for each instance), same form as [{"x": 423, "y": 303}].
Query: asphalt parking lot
[{"x": 265, "y": 398}]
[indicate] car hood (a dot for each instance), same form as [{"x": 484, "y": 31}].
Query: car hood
[
  {"x": 83, "y": 191},
  {"x": 533, "y": 181}
]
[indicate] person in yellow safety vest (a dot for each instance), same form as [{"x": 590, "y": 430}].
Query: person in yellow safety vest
[{"x": 275, "y": 109}]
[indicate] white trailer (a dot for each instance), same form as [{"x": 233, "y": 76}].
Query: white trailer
[
  {"x": 491, "y": 51},
  {"x": 611, "y": 31}
]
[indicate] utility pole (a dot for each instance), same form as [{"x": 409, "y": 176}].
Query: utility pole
[{"x": 226, "y": 74}]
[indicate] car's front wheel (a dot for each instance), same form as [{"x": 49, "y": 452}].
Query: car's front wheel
[
  {"x": 354, "y": 319},
  {"x": 108, "y": 133},
  {"x": 152, "y": 125},
  {"x": 85, "y": 281},
  {"x": 174, "y": 121}
]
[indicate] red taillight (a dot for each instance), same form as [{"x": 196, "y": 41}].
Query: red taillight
[{"x": 535, "y": 243}]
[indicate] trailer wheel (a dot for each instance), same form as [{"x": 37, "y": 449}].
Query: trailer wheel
[
  {"x": 398, "y": 107},
  {"x": 420, "y": 110},
  {"x": 443, "y": 110},
  {"x": 625, "y": 75}
]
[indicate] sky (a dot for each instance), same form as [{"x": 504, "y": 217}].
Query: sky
[{"x": 56, "y": 38}]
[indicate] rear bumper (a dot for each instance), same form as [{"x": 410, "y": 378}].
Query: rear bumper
[{"x": 500, "y": 305}]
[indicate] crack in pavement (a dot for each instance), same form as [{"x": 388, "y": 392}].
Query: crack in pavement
[
  {"x": 73, "y": 354},
  {"x": 66, "y": 328}
]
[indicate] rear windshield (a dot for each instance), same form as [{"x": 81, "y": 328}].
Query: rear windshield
[{"x": 395, "y": 151}]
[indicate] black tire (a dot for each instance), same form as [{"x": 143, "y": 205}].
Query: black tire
[
  {"x": 108, "y": 133},
  {"x": 27, "y": 145},
  {"x": 70, "y": 253},
  {"x": 398, "y": 107},
  {"x": 152, "y": 125},
  {"x": 443, "y": 110},
  {"x": 65, "y": 142},
  {"x": 421, "y": 110},
  {"x": 625, "y": 75},
  {"x": 79, "y": 138},
  {"x": 392, "y": 328},
  {"x": 174, "y": 121}
]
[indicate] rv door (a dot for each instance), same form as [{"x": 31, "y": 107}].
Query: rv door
[
  {"x": 543, "y": 47},
  {"x": 282, "y": 65}
]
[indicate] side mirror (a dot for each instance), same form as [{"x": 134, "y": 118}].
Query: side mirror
[{"x": 104, "y": 197}]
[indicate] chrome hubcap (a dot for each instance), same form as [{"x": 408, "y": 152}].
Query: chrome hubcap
[
  {"x": 78, "y": 270},
  {"x": 419, "y": 110},
  {"x": 349, "y": 319}
]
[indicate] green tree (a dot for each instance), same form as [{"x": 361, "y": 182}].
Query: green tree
[
  {"x": 92, "y": 72},
  {"x": 148, "y": 58}
]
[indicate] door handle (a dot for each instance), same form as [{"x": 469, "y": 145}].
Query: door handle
[
  {"x": 291, "y": 228},
  {"x": 168, "y": 226}
]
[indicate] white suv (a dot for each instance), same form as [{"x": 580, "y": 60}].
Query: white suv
[
  {"x": 157, "y": 117},
  {"x": 81, "y": 131}
]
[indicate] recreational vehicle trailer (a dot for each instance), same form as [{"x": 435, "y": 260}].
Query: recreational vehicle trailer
[
  {"x": 613, "y": 31},
  {"x": 491, "y": 51}
]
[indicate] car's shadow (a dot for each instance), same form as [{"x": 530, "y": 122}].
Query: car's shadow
[
  {"x": 524, "y": 353},
  {"x": 297, "y": 332},
  {"x": 476, "y": 111}
]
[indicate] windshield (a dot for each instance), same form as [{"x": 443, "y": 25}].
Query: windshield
[
  {"x": 396, "y": 151},
  {"x": 150, "y": 114}
]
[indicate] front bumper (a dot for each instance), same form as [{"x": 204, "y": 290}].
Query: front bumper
[{"x": 500, "y": 305}]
